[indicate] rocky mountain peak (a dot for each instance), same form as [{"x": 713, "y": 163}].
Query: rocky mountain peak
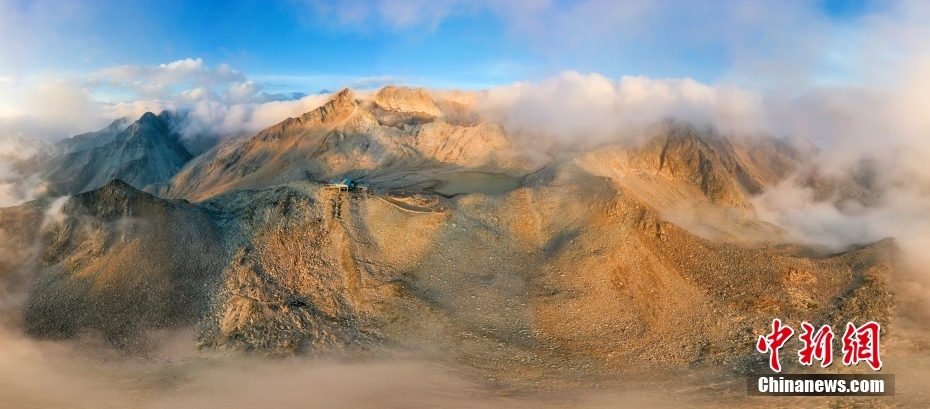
[
  {"x": 407, "y": 100},
  {"x": 148, "y": 117},
  {"x": 146, "y": 151},
  {"x": 340, "y": 105},
  {"x": 119, "y": 124},
  {"x": 682, "y": 153},
  {"x": 155, "y": 125}
]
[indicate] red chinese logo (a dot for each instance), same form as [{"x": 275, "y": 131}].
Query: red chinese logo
[
  {"x": 819, "y": 346},
  {"x": 773, "y": 342},
  {"x": 859, "y": 344}
]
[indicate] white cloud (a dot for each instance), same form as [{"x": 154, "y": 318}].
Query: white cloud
[
  {"x": 190, "y": 77},
  {"x": 197, "y": 94},
  {"x": 576, "y": 108},
  {"x": 221, "y": 100},
  {"x": 214, "y": 117},
  {"x": 174, "y": 73},
  {"x": 857, "y": 86},
  {"x": 219, "y": 118},
  {"x": 48, "y": 109},
  {"x": 241, "y": 92},
  {"x": 14, "y": 187}
]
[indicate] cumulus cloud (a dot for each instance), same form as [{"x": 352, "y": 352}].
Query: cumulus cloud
[
  {"x": 218, "y": 101},
  {"x": 856, "y": 86},
  {"x": 241, "y": 92},
  {"x": 48, "y": 109},
  {"x": 16, "y": 188},
  {"x": 160, "y": 81},
  {"x": 576, "y": 108},
  {"x": 217, "y": 118}
]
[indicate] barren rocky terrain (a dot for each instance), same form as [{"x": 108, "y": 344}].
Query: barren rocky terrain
[{"x": 640, "y": 255}]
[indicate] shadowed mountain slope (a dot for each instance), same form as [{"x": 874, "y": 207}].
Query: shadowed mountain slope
[
  {"x": 140, "y": 153},
  {"x": 119, "y": 261}
]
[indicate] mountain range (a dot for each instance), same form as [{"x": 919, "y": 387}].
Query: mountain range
[{"x": 469, "y": 243}]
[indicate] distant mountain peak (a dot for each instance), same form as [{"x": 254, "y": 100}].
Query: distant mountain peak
[
  {"x": 150, "y": 120},
  {"x": 142, "y": 152},
  {"x": 339, "y": 105},
  {"x": 343, "y": 93},
  {"x": 119, "y": 124}
]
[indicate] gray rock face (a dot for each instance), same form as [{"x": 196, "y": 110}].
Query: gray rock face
[{"x": 140, "y": 153}]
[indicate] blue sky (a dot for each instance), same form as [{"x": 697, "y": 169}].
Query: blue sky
[
  {"x": 268, "y": 39},
  {"x": 307, "y": 45}
]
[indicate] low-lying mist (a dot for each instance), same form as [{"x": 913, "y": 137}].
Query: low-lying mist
[{"x": 84, "y": 374}]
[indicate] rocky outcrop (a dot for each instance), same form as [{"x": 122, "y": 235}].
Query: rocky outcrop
[
  {"x": 679, "y": 153},
  {"x": 760, "y": 161},
  {"x": 407, "y": 100}
]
